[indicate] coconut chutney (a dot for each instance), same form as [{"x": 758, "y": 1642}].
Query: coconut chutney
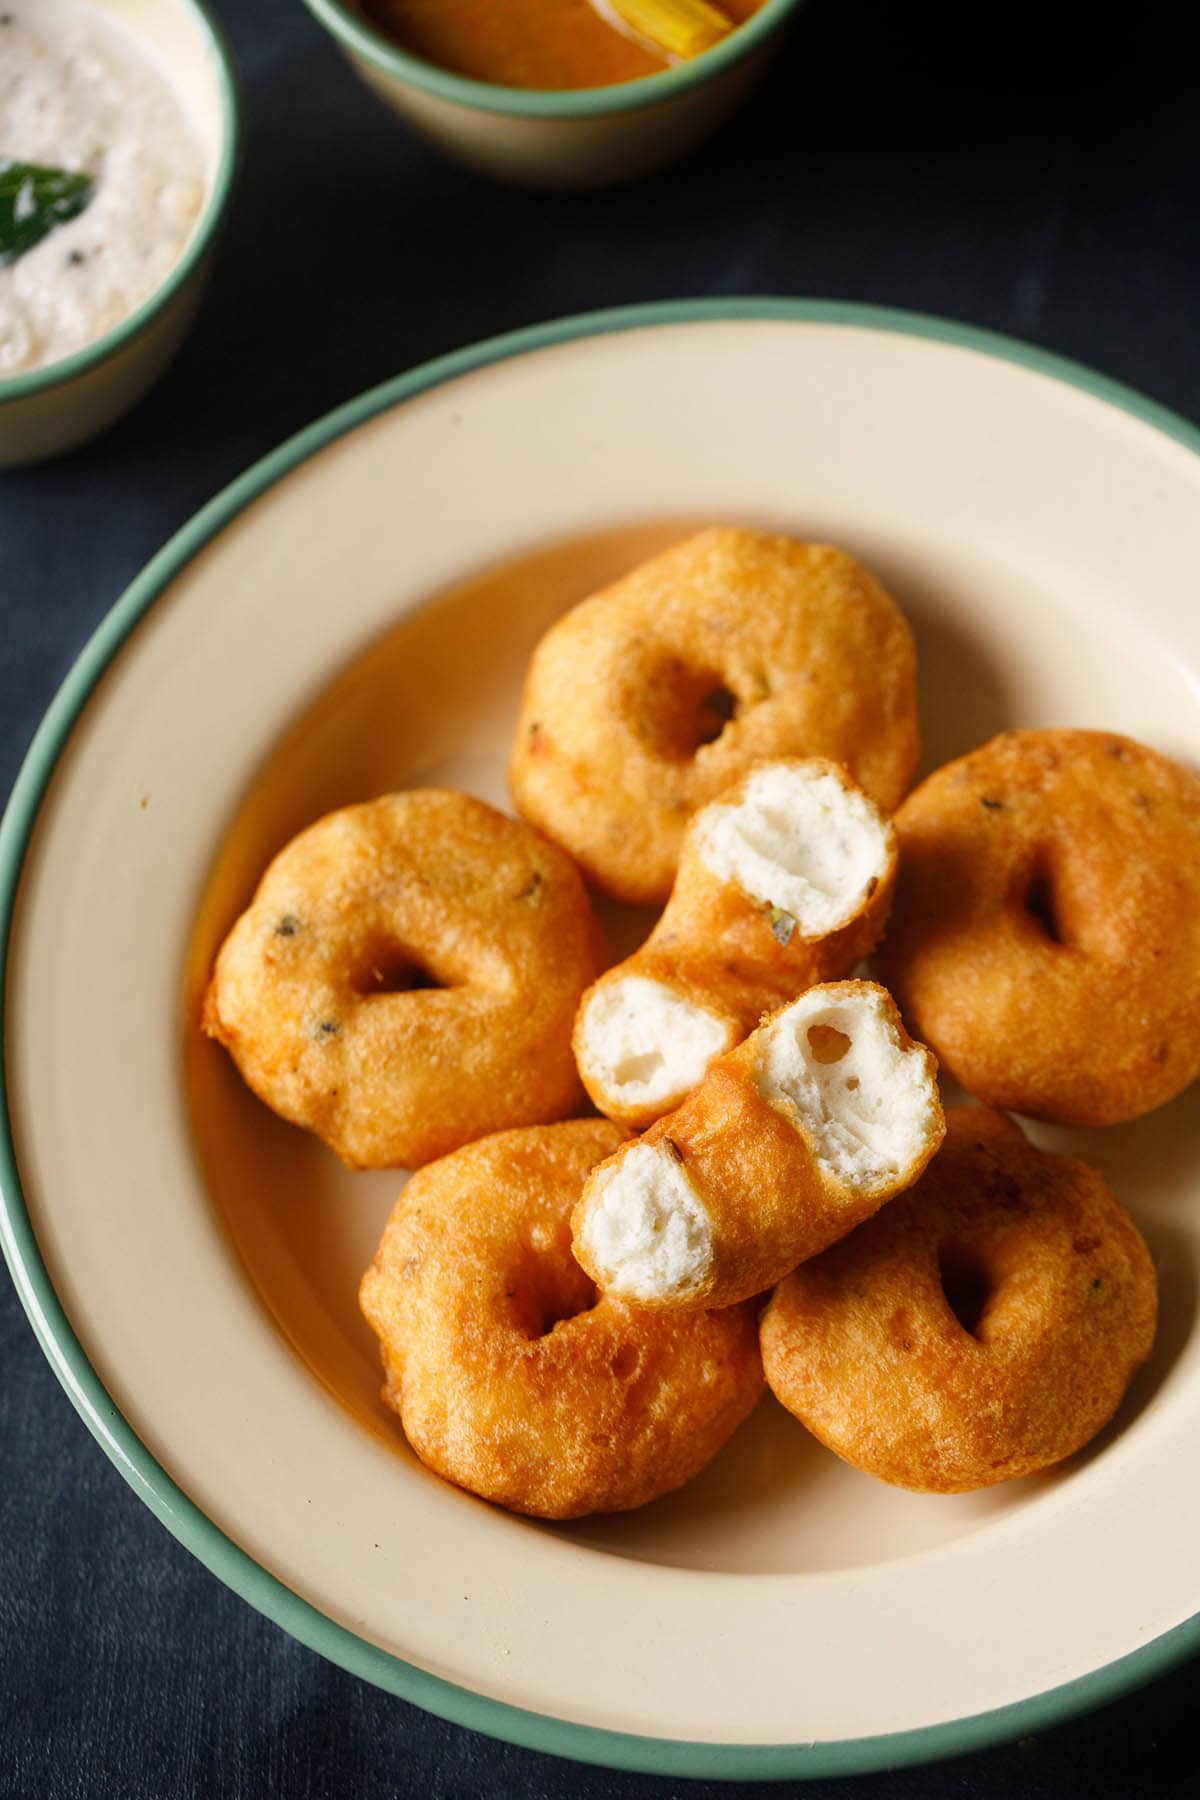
[{"x": 78, "y": 93}]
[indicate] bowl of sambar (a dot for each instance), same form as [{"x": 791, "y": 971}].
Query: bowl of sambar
[{"x": 559, "y": 93}]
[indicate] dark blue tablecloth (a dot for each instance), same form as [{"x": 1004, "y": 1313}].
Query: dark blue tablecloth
[{"x": 1036, "y": 176}]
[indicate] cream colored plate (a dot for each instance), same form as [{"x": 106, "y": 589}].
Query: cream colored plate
[{"x": 359, "y": 618}]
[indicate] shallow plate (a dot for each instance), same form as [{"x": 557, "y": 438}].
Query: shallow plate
[{"x": 355, "y": 614}]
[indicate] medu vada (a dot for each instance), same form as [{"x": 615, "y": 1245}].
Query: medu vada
[
  {"x": 1045, "y": 938},
  {"x": 407, "y": 976},
  {"x": 790, "y": 1141},
  {"x": 511, "y": 1376},
  {"x": 646, "y": 701},
  {"x": 983, "y": 1327},
  {"x": 784, "y": 881}
]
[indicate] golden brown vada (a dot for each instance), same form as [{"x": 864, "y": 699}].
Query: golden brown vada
[
  {"x": 982, "y": 1327},
  {"x": 790, "y": 1141},
  {"x": 644, "y": 702},
  {"x": 1045, "y": 937},
  {"x": 510, "y": 1375},
  {"x": 784, "y": 881},
  {"x": 406, "y": 978}
]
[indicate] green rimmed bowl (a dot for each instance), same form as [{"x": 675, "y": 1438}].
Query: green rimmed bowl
[
  {"x": 49, "y": 410},
  {"x": 783, "y": 1615},
  {"x": 571, "y": 138}
]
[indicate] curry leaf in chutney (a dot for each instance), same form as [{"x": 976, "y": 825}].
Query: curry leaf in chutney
[{"x": 33, "y": 200}]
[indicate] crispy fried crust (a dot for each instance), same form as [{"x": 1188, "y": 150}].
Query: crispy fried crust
[
  {"x": 865, "y": 1347},
  {"x": 509, "y": 1376},
  {"x": 622, "y": 733},
  {"x": 313, "y": 992},
  {"x": 724, "y": 951},
  {"x": 769, "y": 1198},
  {"x": 1045, "y": 937}
]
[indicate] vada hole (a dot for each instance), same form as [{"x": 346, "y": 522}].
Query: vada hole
[
  {"x": 966, "y": 1283},
  {"x": 828, "y": 1044},
  {"x": 1040, "y": 903},
  {"x": 395, "y": 971},
  {"x": 547, "y": 1293},
  {"x": 717, "y": 709},
  {"x": 683, "y": 709}
]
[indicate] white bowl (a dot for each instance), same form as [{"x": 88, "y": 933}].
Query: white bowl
[
  {"x": 46, "y": 411},
  {"x": 568, "y": 138},
  {"x": 355, "y": 614}
]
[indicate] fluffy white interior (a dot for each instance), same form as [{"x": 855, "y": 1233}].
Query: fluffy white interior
[
  {"x": 833, "y": 1061},
  {"x": 643, "y": 1044},
  {"x": 798, "y": 840},
  {"x": 646, "y": 1232}
]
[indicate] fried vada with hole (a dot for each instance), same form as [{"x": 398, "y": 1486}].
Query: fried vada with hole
[
  {"x": 982, "y": 1327},
  {"x": 1045, "y": 938},
  {"x": 790, "y": 1141},
  {"x": 646, "y": 701},
  {"x": 511, "y": 1376},
  {"x": 784, "y": 882},
  {"x": 406, "y": 978}
]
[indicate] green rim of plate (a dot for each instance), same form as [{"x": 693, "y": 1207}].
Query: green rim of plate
[
  {"x": 585, "y": 1743},
  {"x": 34, "y": 381},
  {"x": 361, "y": 39}
]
